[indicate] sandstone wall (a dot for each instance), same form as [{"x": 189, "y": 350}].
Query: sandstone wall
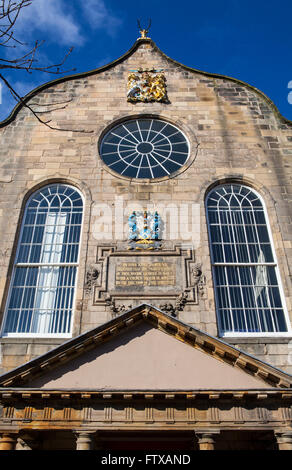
[{"x": 235, "y": 134}]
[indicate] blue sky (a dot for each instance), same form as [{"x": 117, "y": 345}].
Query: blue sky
[{"x": 248, "y": 40}]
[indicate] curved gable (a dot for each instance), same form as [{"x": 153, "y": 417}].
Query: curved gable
[{"x": 148, "y": 42}]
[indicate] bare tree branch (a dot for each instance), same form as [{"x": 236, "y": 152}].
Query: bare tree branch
[
  {"x": 19, "y": 99},
  {"x": 10, "y": 11},
  {"x": 9, "y": 14}
]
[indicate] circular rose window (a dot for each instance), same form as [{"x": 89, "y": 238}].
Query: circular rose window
[{"x": 144, "y": 148}]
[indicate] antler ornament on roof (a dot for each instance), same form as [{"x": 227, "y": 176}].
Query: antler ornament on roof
[{"x": 144, "y": 32}]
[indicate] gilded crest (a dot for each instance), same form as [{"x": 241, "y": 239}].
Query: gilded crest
[
  {"x": 144, "y": 230},
  {"x": 146, "y": 86}
]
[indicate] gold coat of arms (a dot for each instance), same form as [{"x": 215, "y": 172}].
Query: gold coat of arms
[{"x": 146, "y": 86}]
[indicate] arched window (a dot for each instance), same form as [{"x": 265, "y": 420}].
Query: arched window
[
  {"x": 245, "y": 273},
  {"x": 41, "y": 294}
]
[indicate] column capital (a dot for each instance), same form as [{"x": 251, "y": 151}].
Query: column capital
[
  {"x": 84, "y": 439},
  {"x": 207, "y": 433},
  {"x": 206, "y": 439},
  {"x": 8, "y": 440}
]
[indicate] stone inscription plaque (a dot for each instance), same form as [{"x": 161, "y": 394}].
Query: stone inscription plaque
[
  {"x": 145, "y": 274},
  {"x": 149, "y": 275}
]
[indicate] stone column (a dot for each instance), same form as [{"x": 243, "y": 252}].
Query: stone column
[
  {"x": 206, "y": 440},
  {"x": 284, "y": 440},
  {"x": 84, "y": 440},
  {"x": 7, "y": 441}
]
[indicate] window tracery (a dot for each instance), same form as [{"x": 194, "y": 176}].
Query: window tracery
[{"x": 41, "y": 295}]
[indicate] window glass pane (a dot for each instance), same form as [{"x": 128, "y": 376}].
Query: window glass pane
[
  {"x": 217, "y": 253},
  {"x": 213, "y": 217},
  {"x": 242, "y": 253},
  {"x": 222, "y": 296},
  {"x": 227, "y": 235},
  {"x": 220, "y": 276},
  {"x": 230, "y": 253},
  {"x": 239, "y": 233},
  {"x": 263, "y": 234},
  {"x": 232, "y": 276},
  {"x": 259, "y": 217},
  {"x": 251, "y": 234},
  {"x": 235, "y": 297},
  {"x": 216, "y": 233},
  {"x": 267, "y": 252},
  {"x": 245, "y": 276},
  {"x": 23, "y": 255},
  {"x": 248, "y": 217},
  {"x": 224, "y": 217}
]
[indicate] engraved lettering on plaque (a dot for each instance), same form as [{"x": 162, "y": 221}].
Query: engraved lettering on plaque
[{"x": 145, "y": 274}]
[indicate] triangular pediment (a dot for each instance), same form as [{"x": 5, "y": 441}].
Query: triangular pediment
[
  {"x": 145, "y": 358},
  {"x": 145, "y": 349}
]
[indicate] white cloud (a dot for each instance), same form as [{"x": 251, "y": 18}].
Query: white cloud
[
  {"x": 61, "y": 20},
  {"x": 52, "y": 17},
  {"x": 98, "y": 16}
]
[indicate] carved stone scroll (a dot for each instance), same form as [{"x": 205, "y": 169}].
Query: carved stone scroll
[{"x": 92, "y": 276}]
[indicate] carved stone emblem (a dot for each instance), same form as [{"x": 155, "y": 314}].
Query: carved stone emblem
[
  {"x": 146, "y": 86},
  {"x": 197, "y": 278},
  {"x": 91, "y": 278}
]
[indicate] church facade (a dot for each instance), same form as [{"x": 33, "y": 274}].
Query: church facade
[{"x": 145, "y": 262}]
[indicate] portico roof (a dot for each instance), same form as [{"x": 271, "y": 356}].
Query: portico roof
[{"x": 145, "y": 349}]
